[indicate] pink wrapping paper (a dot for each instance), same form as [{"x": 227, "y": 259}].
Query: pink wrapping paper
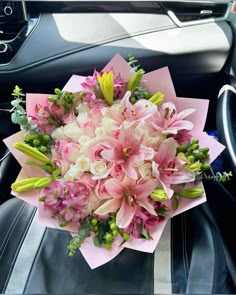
[{"x": 159, "y": 80}]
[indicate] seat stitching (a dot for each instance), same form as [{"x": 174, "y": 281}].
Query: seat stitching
[
  {"x": 17, "y": 250},
  {"x": 40, "y": 245},
  {"x": 11, "y": 228},
  {"x": 184, "y": 262}
]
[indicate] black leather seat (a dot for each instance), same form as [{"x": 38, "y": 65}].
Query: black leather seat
[{"x": 34, "y": 259}]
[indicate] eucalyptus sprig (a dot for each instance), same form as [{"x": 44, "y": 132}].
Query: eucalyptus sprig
[{"x": 18, "y": 113}]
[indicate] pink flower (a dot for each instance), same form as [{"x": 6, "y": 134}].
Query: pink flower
[
  {"x": 168, "y": 121},
  {"x": 52, "y": 195},
  {"x": 168, "y": 168},
  {"x": 143, "y": 218},
  {"x": 47, "y": 117},
  {"x": 183, "y": 137},
  {"x": 96, "y": 149},
  {"x": 128, "y": 113},
  {"x": 128, "y": 150},
  {"x": 117, "y": 171},
  {"x": 101, "y": 190},
  {"x": 59, "y": 144},
  {"x": 75, "y": 202},
  {"x": 70, "y": 151},
  {"x": 127, "y": 197}
]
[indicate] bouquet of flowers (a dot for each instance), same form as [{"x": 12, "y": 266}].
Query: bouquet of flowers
[{"x": 111, "y": 157}]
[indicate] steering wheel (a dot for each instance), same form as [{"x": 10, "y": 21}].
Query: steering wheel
[{"x": 226, "y": 123}]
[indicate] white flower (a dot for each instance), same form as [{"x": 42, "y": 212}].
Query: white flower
[
  {"x": 83, "y": 110},
  {"x": 83, "y": 163},
  {"x": 72, "y": 131},
  {"x": 58, "y": 133},
  {"x": 84, "y": 140},
  {"x": 99, "y": 169},
  {"x": 73, "y": 173},
  {"x": 145, "y": 170},
  {"x": 100, "y": 131}
]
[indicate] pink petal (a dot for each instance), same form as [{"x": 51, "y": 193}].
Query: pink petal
[
  {"x": 114, "y": 187},
  {"x": 144, "y": 109},
  {"x": 110, "y": 155},
  {"x": 145, "y": 203},
  {"x": 179, "y": 125},
  {"x": 129, "y": 170},
  {"x": 167, "y": 189},
  {"x": 185, "y": 113},
  {"x": 181, "y": 176},
  {"x": 125, "y": 214},
  {"x": 109, "y": 207},
  {"x": 145, "y": 189},
  {"x": 166, "y": 152},
  {"x": 148, "y": 153}
]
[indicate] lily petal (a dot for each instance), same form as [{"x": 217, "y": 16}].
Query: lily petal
[
  {"x": 109, "y": 206},
  {"x": 144, "y": 190},
  {"x": 166, "y": 152},
  {"x": 147, "y": 205},
  {"x": 114, "y": 187},
  {"x": 125, "y": 214}
]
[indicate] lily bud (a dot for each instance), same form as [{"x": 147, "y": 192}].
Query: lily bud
[
  {"x": 24, "y": 184},
  {"x": 159, "y": 195},
  {"x": 157, "y": 98},
  {"x": 32, "y": 152},
  {"x": 107, "y": 86},
  {"x": 191, "y": 193},
  {"x": 135, "y": 80},
  {"x": 195, "y": 167},
  {"x": 43, "y": 182}
]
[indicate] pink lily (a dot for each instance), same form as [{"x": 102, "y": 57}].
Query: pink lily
[
  {"x": 168, "y": 121},
  {"x": 128, "y": 196},
  {"x": 168, "y": 168},
  {"x": 128, "y": 150},
  {"x": 128, "y": 112}
]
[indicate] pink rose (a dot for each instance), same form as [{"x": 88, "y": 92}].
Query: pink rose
[
  {"x": 101, "y": 190},
  {"x": 117, "y": 171},
  {"x": 96, "y": 150},
  {"x": 70, "y": 152}
]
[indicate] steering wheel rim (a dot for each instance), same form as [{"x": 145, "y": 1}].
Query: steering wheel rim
[{"x": 224, "y": 123}]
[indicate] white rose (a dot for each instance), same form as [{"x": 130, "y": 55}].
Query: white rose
[
  {"x": 58, "y": 134},
  {"x": 99, "y": 169},
  {"x": 83, "y": 163},
  {"x": 72, "y": 131},
  {"x": 84, "y": 140},
  {"x": 83, "y": 110},
  {"x": 100, "y": 131},
  {"x": 145, "y": 170},
  {"x": 73, "y": 173}
]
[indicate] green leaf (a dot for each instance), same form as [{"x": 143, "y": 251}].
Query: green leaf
[
  {"x": 96, "y": 241},
  {"x": 20, "y": 110},
  {"x": 162, "y": 212},
  {"x": 56, "y": 173},
  {"x": 15, "y": 118},
  {"x": 42, "y": 199},
  {"x": 175, "y": 203},
  {"x": 144, "y": 233},
  {"x": 15, "y": 102},
  {"x": 44, "y": 167},
  {"x": 103, "y": 228},
  {"x": 63, "y": 224}
]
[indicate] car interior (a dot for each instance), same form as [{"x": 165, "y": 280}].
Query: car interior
[{"x": 42, "y": 44}]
